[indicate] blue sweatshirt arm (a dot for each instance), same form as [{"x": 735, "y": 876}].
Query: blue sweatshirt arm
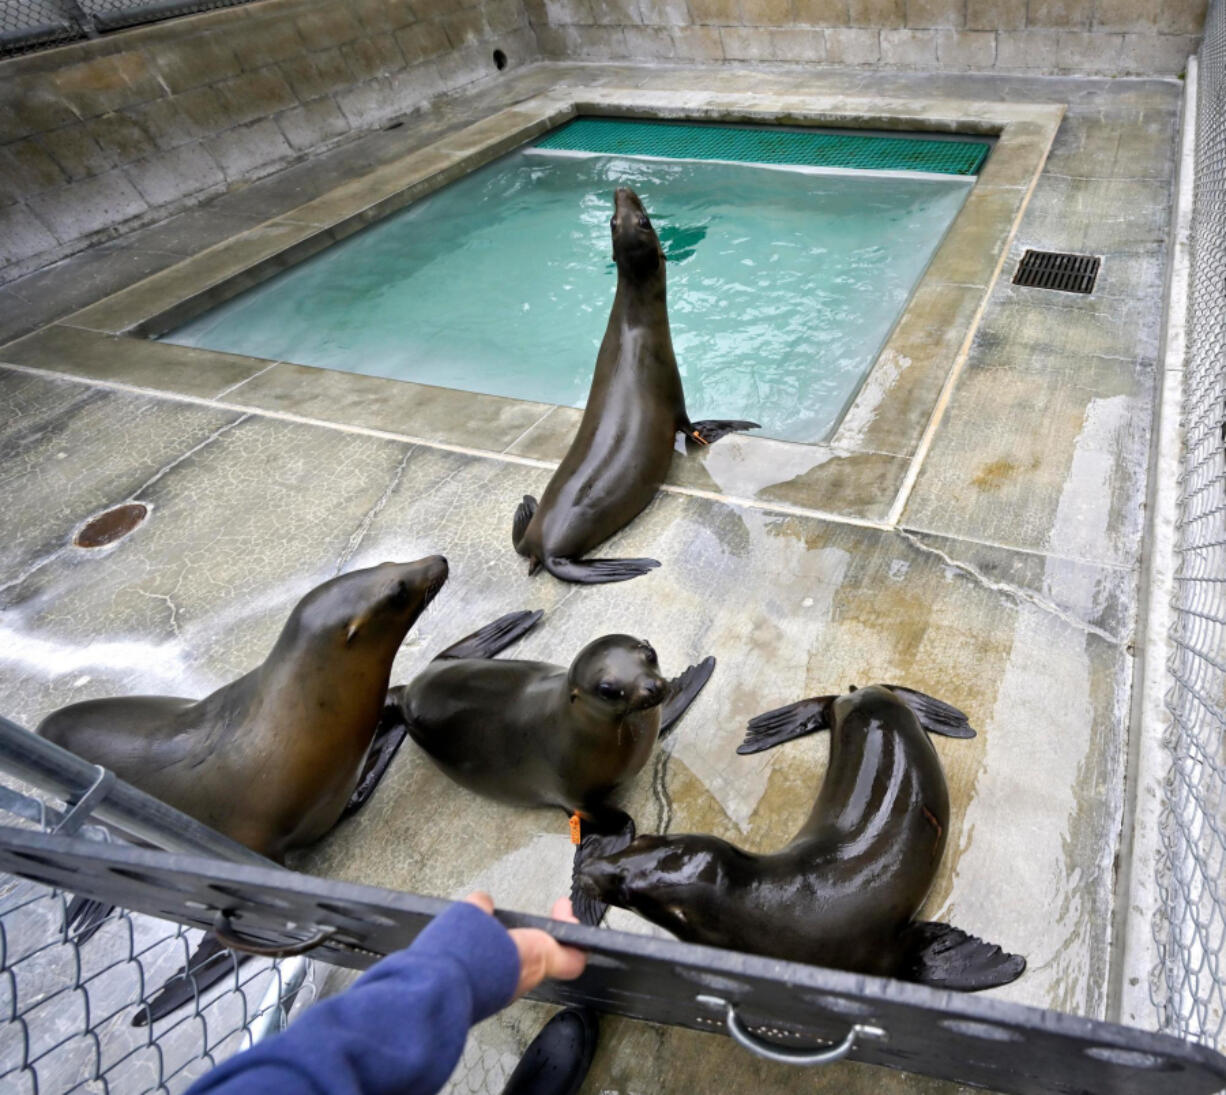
[{"x": 399, "y": 1029}]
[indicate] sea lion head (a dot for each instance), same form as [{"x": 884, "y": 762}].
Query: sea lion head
[
  {"x": 636, "y": 247},
  {"x": 618, "y": 674},
  {"x": 374, "y": 607},
  {"x": 680, "y": 882},
  {"x": 874, "y": 701}
]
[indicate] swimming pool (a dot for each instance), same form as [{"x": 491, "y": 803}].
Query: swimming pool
[{"x": 784, "y": 283}]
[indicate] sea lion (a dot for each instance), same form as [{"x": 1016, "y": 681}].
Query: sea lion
[
  {"x": 844, "y": 892},
  {"x": 276, "y": 758},
  {"x": 535, "y": 734},
  {"x": 624, "y": 445},
  {"x": 272, "y": 759}
]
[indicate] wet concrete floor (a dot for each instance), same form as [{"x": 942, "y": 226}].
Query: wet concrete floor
[{"x": 1008, "y": 586}]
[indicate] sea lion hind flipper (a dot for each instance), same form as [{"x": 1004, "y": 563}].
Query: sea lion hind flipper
[
  {"x": 493, "y": 637},
  {"x": 598, "y": 571},
  {"x": 772, "y": 728},
  {"x": 524, "y": 513},
  {"x": 935, "y": 716},
  {"x": 84, "y": 916},
  {"x": 946, "y": 957},
  {"x": 605, "y": 836},
  {"x": 682, "y": 691},
  {"x": 210, "y": 962},
  {"x": 389, "y": 737},
  {"x": 710, "y": 430}
]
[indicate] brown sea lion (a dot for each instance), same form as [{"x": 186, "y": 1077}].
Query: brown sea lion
[
  {"x": 845, "y": 891},
  {"x": 536, "y": 734},
  {"x": 271, "y": 759},
  {"x": 276, "y": 758},
  {"x": 622, "y": 451}
]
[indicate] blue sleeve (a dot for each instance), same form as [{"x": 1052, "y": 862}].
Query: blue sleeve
[{"x": 399, "y": 1028}]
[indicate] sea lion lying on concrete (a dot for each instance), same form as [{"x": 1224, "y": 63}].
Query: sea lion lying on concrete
[
  {"x": 536, "y": 734},
  {"x": 844, "y": 892},
  {"x": 622, "y": 451}
]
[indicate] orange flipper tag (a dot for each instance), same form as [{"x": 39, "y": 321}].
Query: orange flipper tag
[{"x": 576, "y": 830}]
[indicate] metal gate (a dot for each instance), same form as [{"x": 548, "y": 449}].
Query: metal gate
[{"x": 779, "y": 1009}]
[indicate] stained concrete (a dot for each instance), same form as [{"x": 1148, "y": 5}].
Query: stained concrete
[{"x": 1003, "y": 578}]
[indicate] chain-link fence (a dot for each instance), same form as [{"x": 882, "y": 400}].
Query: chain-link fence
[
  {"x": 67, "y": 1005},
  {"x": 1190, "y": 929},
  {"x": 38, "y": 24}
]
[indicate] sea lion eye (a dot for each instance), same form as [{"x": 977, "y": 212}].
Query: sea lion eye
[
  {"x": 612, "y": 222},
  {"x": 609, "y": 691},
  {"x": 644, "y": 222},
  {"x": 400, "y": 595},
  {"x": 649, "y": 655}
]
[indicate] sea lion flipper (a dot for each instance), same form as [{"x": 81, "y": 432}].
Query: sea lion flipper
[
  {"x": 682, "y": 691},
  {"x": 524, "y": 513},
  {"x": 209, "y": 963},
  {"x": 493, "y": 637},
  {"x": 773, "y": 728},
  {"x": 710, "y": 430},
  {"x": 597, "y": 571},
  {"x": 84, "y": 917},
  {"x": 935, "y": 716},
  {"x": 605, "y": 836},
  {"x": 946, "y": 957},
  {"x": 389, "y": 737}
]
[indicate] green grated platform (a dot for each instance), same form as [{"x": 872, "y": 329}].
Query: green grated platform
[{"x": 751, "y": 144}]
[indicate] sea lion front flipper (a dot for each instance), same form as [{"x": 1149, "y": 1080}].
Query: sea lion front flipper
[
  {"x": 935, "y": 716},
  {"x": 389, "y": 737},
  {"x": 493, "y": 637},
  {"x": 84, "y": 916},
  {"x": 597, "y": 571},
  {"x": 209, "y": 963},
  {"x": 946, "y": 957},
  {"x": 773, "y": 728},
  {"x": 682, "y": 691},
  {"x": 610, "y": 833},
  {"x": 524, "y": 513},
  {"x": 710, "y": 430}
]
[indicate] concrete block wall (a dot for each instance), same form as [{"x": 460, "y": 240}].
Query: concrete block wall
[
  {"x": 104, "y": 135},
  {"x": 1082, "y": 37}
]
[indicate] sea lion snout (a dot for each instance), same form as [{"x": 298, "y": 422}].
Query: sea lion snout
[
  {"x": 435, "y": 571},
  {"x": 636, "y": 248},
  {"x": 601, "y": 880}
]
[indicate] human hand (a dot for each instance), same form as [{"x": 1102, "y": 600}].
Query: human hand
[{"x": 540, "y": 955}]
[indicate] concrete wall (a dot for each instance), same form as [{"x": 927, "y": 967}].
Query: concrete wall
[
  {"x": 108, "y": 134},
  {"x": 1101, "y": 37}
]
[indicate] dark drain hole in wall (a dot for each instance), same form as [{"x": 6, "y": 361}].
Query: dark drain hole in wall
[
  {"x": 500, "y": 60},
  {"x": 112, "y": 525}
]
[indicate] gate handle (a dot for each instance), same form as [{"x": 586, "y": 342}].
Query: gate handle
[
  {"x": 229, "y": 935},
  {"x": 740, "y": 1033}
]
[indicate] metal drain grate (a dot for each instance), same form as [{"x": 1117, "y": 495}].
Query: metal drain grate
[
  {"x": 1060, "y": 270},
  {"x": 766, "y": 145}
]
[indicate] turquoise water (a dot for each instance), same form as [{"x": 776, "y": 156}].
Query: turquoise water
[{"x": 783, "y": 284}]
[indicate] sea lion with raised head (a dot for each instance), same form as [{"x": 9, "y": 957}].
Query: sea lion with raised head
[
  {"x": 536, "y": 734},
  {"x": 844, "y": 892},
  {"x": 624, "y": 445},
  {"x": 274, "y": 759}
]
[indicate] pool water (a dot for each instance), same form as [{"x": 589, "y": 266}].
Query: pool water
[{"x": 784, "y": 284}]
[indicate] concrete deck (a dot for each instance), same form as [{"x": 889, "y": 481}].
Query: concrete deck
[{"x": 997, "y": 569}]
